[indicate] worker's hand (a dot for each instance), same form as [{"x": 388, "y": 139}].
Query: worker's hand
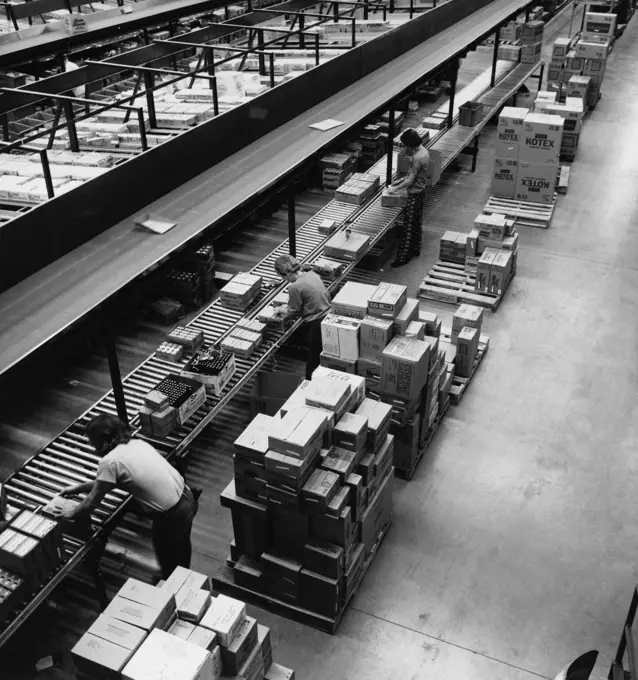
[
  {"x": 67, "y": 491},
  {"x": 391, "y": 189},
  {"x": 69, "y": 513}
]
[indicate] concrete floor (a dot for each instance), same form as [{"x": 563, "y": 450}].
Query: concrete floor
[{"x": 512, "y": 550}]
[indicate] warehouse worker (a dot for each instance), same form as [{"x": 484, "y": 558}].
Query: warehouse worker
[
  {"x": 136, "y": 467},
  {"x": 415, "y": 182},
  {"x": 308, "y": 298}
]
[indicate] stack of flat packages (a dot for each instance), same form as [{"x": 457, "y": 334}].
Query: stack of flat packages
[
  {"x": 241, "y": 292},
  {"x": 335, "y": 169},
  {"x": 177, "y": 629},
  {"x": 312, "y": 494}
]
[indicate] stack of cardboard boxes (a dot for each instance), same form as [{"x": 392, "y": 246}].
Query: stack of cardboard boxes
[
  {"x": 373, "y": 144},
  {"x": 358, "y": 189},
  {"x": 335, "y": 169},
  {"x": 384, "y": 339},
  {"x": 312, "y": 494},
  {"x": 572, "y": 112},
  {"x": 578, "y": 67},
  {"x": 527, "y": 155},
  {"x": 31, "y": 550},
  {"x": 241, "y": 292},
  {"x": 532, "y": 39},
  {"x": 179, "y": 630}
]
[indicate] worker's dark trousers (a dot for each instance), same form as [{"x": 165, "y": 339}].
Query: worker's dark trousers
[
  {"x": 314, "y": 347},
  {"x": 172, "y": 534}
]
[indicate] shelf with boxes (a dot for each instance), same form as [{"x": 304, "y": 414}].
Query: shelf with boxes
[
  {"x": 178, "y": 629},
  {"x": 476, "y": 267}
]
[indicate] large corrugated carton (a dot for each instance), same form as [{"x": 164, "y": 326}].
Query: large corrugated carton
[
  {"x": 404, "y": 367},
  {"x": 352, "y": 300},
  {"x": 510, "y": 131},
  {"x": 504, "y": 177},
  {"x": 541, "y": 139},
  {"x": 536, "y": 183},
  {"x": 340, "y": 336},
  {"x": 374, "y": 337},
  {"x": 598, "y": 24}
]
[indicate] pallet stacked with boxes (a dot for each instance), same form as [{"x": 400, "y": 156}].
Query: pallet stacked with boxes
[
  {"x": 178, "y": 629},
  {"x": 572, "y": 111},
  {"x": 311, "y": 500},
  {"x": 578, "y": 66},
  {"x": 377, "y": 333},
  {"x": 527, "y": 155}
]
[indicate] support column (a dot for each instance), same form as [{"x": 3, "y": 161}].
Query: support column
[
  {"x": 116, "y": 376},
  {"x": 453, "y": 79},
  {"x": 388, "y": 172},
  {"x": 149, "y": 82},
  {"x": 302, "y": 26},
  {"x": 497, "y": 35},
  {"x": 70, "y": 124},
  {"x": 292, "y": 227},
  {"x": 260, "y": 47}
]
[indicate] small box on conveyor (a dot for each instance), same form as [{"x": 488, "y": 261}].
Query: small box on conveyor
[
  {"x": 348, "y": 247},
  {"x": 239, "y": 346},
  {"x": 190, "y": 338},
  {"x": 253, "y": 325},
  {"x": 185, "y": 395},
  {"x": 241, "y": 291},
  {"x": 170, "y": 351},
  {"x": 167, "y": 310},
  {"x": 397, "y": 198},
  {"x": 46, "y": 531},
  {"x": 328, "y": 269},
  {"x": 212, "y": 369}
]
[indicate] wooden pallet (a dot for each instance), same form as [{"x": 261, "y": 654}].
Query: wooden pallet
[
  {"x": 562, "y": 181},
  {"x": 449, "y": 282},
  {"x": 525, "y": 213},
  {"x": 224, "y": 582},
  {"x": 459, "y": 385},
  {"x": 407, "y": 475}
]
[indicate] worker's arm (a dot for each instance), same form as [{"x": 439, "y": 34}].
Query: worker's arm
[
  {"x": 92, "y": 501},
  {"x": 84, "y": 487},
  {"x": 404, "y": 183},
  {"x": 295, "y": 303}
]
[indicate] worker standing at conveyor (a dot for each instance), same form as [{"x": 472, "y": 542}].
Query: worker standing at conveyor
[
  {"x": 308, "y": 298},
  {"x": 415, "y": 182},
  {"x": 136, "y": 467}
]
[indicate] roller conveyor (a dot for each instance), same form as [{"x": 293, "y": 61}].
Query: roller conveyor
[{"x": 69, "y": 458}]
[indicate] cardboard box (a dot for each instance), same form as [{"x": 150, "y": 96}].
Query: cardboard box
[
  {"x": 193, "y": 605},
  {"x": 594, "y": 67},
  {"x": 182, "y": 629},
  {"x": 499, "y": 273},
  {"x": 357, "y": 383},
  {"x": 404, "y": 367},
  {"x": 236, "y": 655},
  {"x": 378, "y": 416},
  {"x": 351, "y": 432},
  {"x": 319, "y": 593},
  {"x": 320, "y": 489},
  {"x": 328, "y": 394},
  {"x": 387, "y": 300},
  {"x": 263, "y": 637},
  {"x": 162, "y": 655},
  {"x": 530, "y": 54},
  {"x": 536, "y": 183},
  {"x": 99, "y": 658},
  {"x": 253, "y": 669},
  {"x": 378, "y": 513},
  {"x": 467, "y": 348},
  {"x": 138, "y": 614},
  {"x": 572, "y": 114},
  {"x": 375, "y": 334},
  {"x": 510, "y": 131},
  {"x": 207, "y": 639},
  {"x": 434, "y": 168},
  {"x": 561, "y": 47},
  {"x": 299, "y": 433},
  {"x": 75, "y": 24},
  {"x": 470, "y": 251},
  {"x": 532, "y": 32},
  {"x": 408, "y": 313},
  {"x": 466, "y": 316},
  {"x": 504, "y": 178},
  {"x": 324, "y": 558},
  {"x": 340, "y": 337},
  {"x": 252, "y": 443},
  {"x": 483, "y": 269},
  {"x": 143, "y": 593},
  {"x": 225, "y": 617},
  {"x": 349, "y": 248},
  {"x": 491, "y": 226},
  {"x": 541, "y": 140},
  {"x": 352, "y": 300},
  {"x": 578, "y": 86},
  {"x": 336, "y": 530},
  {"x": 590, "y": 50},
  {"x": 338, "y": 364},
  {"x": 600, "y": 24},
  {"x": 117, "y": 632}
]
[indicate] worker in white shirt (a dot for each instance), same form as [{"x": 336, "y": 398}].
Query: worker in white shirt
[{"x": 136, "y": 467}]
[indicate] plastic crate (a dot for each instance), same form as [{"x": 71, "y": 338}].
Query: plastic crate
[{"x": 470, "y": 113}]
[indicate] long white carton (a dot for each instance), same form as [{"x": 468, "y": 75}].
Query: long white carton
[{"x": 225, "y": 616}]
